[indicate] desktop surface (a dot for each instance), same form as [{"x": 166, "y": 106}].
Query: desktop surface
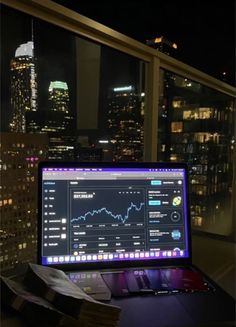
[
  {"x": 196, "y": 309},
  {"x": 211, "y": 306},
  {"x": 173, "y": 310}
]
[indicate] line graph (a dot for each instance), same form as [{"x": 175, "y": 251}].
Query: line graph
[
  {"x": 107, "y": 206},
  {"x": 119, "y": 217}
]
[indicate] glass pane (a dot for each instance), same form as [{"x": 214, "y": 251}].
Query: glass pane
[
  {"x": 63, "y": 98},
  {"x": 196, "y": 125}
]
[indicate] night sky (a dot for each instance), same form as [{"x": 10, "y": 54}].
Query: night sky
[
  {"x": 55, "y": 59},
  {"x": 203, "y": 30}
]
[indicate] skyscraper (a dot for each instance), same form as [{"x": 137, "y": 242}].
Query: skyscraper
[
  {"x": 163, "y": 45},
  {"x": 20, "y": 154},
  {"x": 23, "y": 86},
  {"x": 58, "y": 96},
  {"x": 58, "y": 122},
  {"x": 57, "y": 117},
  {"x": 125, "y": 123},
  {"x": 196, "y": 127}
]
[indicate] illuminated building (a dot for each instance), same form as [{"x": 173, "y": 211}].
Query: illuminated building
[
  {"x": 162, "y": 44},
  {"x": 23, "y": 86},
  {"x": 56, "y": 119},
  {"x": 125, "y": 123},
  {"x": 61, "y": 147},
  {"x": 58, "y": 96},
  {"x": 58, "y": 123},
  {"x": 196, "y": 128},
  {"x": 20, "y": 154}
]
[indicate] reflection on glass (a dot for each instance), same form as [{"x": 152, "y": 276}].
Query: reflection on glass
[
  {"x": 63, "y": 98},
  {"x": 196, "y": 126}
]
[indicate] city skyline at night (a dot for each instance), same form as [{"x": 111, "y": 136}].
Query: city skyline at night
[
  {"x": 204, "y": 32},
  {"x": 54, "y": 58},
  {"x": 69, "y": 96},
  {"x": 225, "y": 63}
]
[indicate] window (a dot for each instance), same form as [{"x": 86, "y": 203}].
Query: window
[
  {"x": 196, "y": 125},
  {"x": 65, "y": 98}
]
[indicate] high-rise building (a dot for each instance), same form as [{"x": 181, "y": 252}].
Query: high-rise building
[
  {"x": 58, "y": 96},
  {"x": 20, "y": 154},
  {"x": 196, "y": 127},
  {"x": 59, "y": 123},
  {"x": 125, "y": 123},
  {"x": 23, "y": 86},
  {"x": 62, "y": 147},
  {"x": 163, "y": 45},
  {"x": 57, "y": 118}
]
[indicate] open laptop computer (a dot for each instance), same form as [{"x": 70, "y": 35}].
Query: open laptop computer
[{"x": 125, "y": 224}]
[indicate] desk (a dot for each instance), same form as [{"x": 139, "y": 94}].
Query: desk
[
  {"x": 214, "y": 308},
  {"x": 196, "y": 309}
]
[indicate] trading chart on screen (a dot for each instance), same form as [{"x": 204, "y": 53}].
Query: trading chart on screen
[{"x": 111, "y": 214}]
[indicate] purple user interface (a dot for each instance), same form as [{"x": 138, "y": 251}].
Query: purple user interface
[{"x": 113, "y": 214}]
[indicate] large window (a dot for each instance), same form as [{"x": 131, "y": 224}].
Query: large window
[
  {"x": 63, "y": 98},
  {"x": 196, "y": 125},
  {"x": 87, "y": 93}
]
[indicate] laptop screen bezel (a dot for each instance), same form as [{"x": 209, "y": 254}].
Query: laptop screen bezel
[{"x": 114, "y": 264}]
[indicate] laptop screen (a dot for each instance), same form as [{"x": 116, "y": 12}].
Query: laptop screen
[{"x": 112, "y": 214}]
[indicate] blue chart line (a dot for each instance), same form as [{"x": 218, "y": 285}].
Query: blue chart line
[{"x": 109, "y": 213}]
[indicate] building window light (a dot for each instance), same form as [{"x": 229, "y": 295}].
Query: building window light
[
  {"x": 177, "y": 127},
  {"x": 173, "y": 157},
  {"x": 177, "y": 103}
]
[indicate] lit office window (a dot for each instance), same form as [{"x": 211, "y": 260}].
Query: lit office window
[
  {"x": 196, "y": 126},
  {"x": 177, "y": 127}
]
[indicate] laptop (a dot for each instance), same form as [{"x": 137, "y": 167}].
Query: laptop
[{"x": 117, "y": 229}]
